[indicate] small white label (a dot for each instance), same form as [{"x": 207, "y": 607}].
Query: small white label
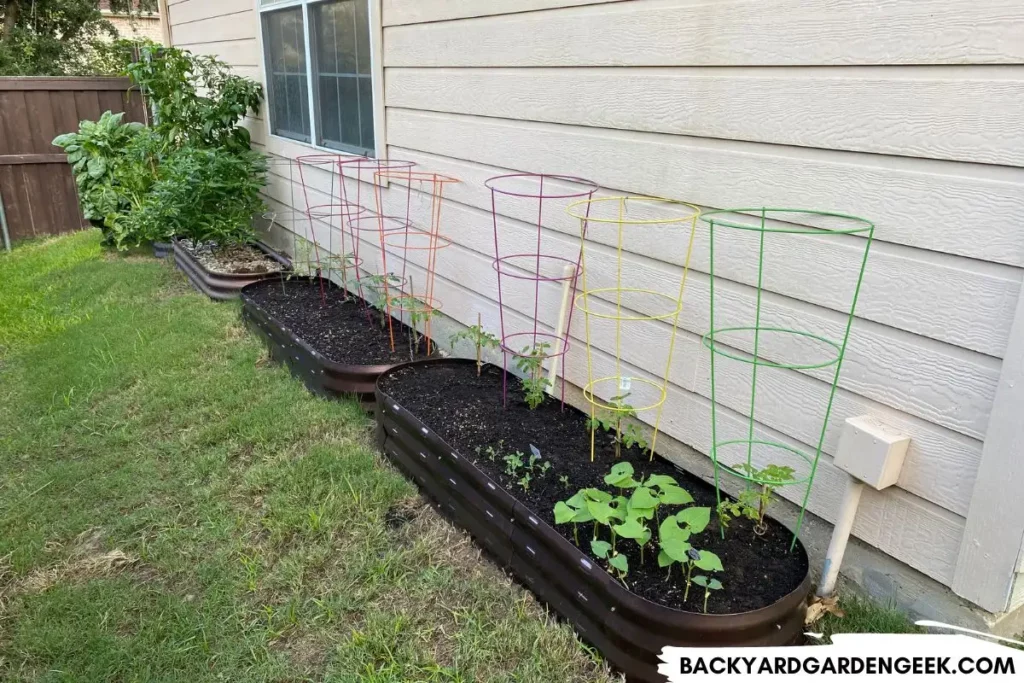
[
  {"x": 452, "y": 481},
  {"x": 586, "y": 565},
  {"x": 455, "y": 456},
  {"x": 395, "y": 406},
  {"x": 531, "y": 550},
  {"x": 534, "y": 521},
  {"x": 491, "y": 486},
  {"x": 423, "y": 455},
  {"x": 489, "y": 514},
  {"x": 424, "y": 430},
  {"x": 625, "y": 384},
  {"x": 582, "y": 597}
]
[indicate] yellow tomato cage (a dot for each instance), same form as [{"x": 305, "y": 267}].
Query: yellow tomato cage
[{"x": 597, "y": 218}]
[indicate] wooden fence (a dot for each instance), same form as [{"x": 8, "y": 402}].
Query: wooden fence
[{"x": 36, "y": 186}]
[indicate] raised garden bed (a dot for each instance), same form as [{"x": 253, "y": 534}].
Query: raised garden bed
[
  {"x": 325, "y": 338},
  {"x": 433, "y": 416},
  {"x": 210, "y": 274}
]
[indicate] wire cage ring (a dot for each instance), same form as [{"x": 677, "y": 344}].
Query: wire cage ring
[
  {"x": 582, "y": 304},
  {"x": 588, "y": 394},
  {"x": 712, "y": 342},
  {"x": 562, "y": 340},
  {"x": 759, "y": 216},
  {"x": 504, "y": 265},
  {"x": 416, "y": 240},
  {"x": 584, "y": 210},
  {"x": 750, "y": 443}
]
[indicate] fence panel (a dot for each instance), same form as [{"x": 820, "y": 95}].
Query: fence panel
[{"x": 36, "y": 185}]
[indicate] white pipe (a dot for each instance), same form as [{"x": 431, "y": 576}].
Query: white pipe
[
  {"x": 840, "y": 537},
  {"x": 567, "y": 273}
]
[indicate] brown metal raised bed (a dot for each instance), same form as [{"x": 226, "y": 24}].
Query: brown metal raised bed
[
  {"x": 321, "y": 375},
  {"x": 629, "y": 630},
  {"x": 221, "y": 286}
]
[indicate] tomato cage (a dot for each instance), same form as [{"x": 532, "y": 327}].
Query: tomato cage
[
  {"x": 403, "y": 228},
  {"x": 624, "y": 298},
  {"x": 326, "y": 211},
  {"x": 531, "y": 270},
  {"x": 772, "y": 340}
]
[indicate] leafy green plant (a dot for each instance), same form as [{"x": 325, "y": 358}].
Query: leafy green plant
[
  {"x": 647, "y": 494},
  {"x": 481, "y": 340},
  {"x": 207, "y": 195},
  {"x": 95, "y": 153},
  {"x": 753, "y": 503},
  {"x": 380, "y": 285},
  {"x": 419, "y": 312},
  {"x": 610, "y": 420},
  {"x": 196, "y": 99},
  {"x": 618, "y": 565},
  {"x": 674, "y": 541},
  {"x": 514, "y": 463},
  {"x": 531, "y": 363},
  {"x": 564, "y": 480},
  {"x": 708, "y": 585}
]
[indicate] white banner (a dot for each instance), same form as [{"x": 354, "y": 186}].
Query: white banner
[{"x": 851, "y": 657}]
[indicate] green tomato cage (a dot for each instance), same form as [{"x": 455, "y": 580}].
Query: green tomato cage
[{"x": 770, "y": 335}]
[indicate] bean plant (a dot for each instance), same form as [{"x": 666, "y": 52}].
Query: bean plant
[
  {"x": 708, "y": 585},
  {"x": 610, "y": 420},
  {"x": 752, "y": 503},
  {"x": 531, "y": 363},
  {"x": 630, "y": 517}
]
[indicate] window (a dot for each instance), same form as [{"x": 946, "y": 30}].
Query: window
[{"x": 319, "y": 72}]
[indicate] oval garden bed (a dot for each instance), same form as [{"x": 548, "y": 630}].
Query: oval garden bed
[
  {"x": 445, "y": 426},
  {"x": 221, "y": 274},
  {"x": 329, "y": 339}
]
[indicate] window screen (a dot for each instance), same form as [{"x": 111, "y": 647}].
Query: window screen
[
  {"x": 342, "y": 75},
  {"x": 285, "y": 45}
]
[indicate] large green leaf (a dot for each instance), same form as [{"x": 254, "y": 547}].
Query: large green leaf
[
  {"x": 621, "y": 476},
  {"x": 619, "y": 562},
  {"x": 644, "y": 497},
  {"x": 663, "y": 559},
  {"x": 600, "y": 548},
  {"x": 563, "y": 513},
  {"x": 709, "y": 562},
  {"x": 673, "y": 540},
  {"x": 674, "y": 495},
  {"x": 631, "y": 528},
  {"x": 695, "y": 519}
]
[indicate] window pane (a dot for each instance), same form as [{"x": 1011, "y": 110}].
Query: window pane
[
  {"x": 288, "y": 94},
  {"x": 344, "y": 97}
]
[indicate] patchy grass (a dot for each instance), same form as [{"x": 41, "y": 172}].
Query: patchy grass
[
  {"x": 864, "y": 616},
  {"x": 172, "y": 507}
]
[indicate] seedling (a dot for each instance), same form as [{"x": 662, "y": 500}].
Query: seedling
[
  {"x": 618, "y": 565},
  {"x": 648, "y": 494},
  {"x": 380, "y": 285},
  {"x": 610, "y": 420},
  {"x": 531, "y": 363},
  {"x": 752, "y": 503},
  {"x": 513, "y": 463},
  {"x": 480, "y": 338},
  {"x": 708, "y": 585},
  {"x": 564, "y": 480},
  {"x": 674, "y": 537},
  {"x": 525, "y": 481},
  {"x": 592, "y": 505}
]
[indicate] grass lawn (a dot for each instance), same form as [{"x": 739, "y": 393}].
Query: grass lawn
[{"x": 175, "y": 508}]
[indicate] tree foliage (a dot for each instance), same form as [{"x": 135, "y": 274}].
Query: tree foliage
[{"x": 58, "y": 37}]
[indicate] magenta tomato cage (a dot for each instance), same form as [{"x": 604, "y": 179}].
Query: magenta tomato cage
[
  {"x": 533, "y": 261},
  {"x": 326, "y": 209}
]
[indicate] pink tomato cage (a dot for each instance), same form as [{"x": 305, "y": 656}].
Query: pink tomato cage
[
  {"x": 406, "y": 220},
  {"x": 524, "y": 261},
  {"x": 327, "y": 208}
]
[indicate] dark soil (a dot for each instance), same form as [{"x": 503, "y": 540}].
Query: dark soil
[
  {"x": 467, "y": 412},
  {"x": 342, "y": 330}
]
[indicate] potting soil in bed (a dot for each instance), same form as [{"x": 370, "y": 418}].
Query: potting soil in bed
[
  {"x": 235, "y": 259},
  {"x": 339, "y": 329},
  {"x": 466, "y": 411}
]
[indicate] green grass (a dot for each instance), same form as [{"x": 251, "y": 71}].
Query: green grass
[
  {"x": 174, "y": 507},
  {"x": 865, "y": 616}
]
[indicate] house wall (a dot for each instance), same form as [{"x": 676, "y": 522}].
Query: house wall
[{"x": 905, "y": 113}]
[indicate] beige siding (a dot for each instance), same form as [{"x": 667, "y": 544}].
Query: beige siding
[{"x": 902, "y": 112}]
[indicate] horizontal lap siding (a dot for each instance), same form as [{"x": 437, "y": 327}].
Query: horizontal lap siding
[
  {"x": 226, "y": 29},
  {"x": 740, "y": 103}
]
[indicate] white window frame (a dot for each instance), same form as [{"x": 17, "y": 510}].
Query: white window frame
[{"x": 376, "y": 72}]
